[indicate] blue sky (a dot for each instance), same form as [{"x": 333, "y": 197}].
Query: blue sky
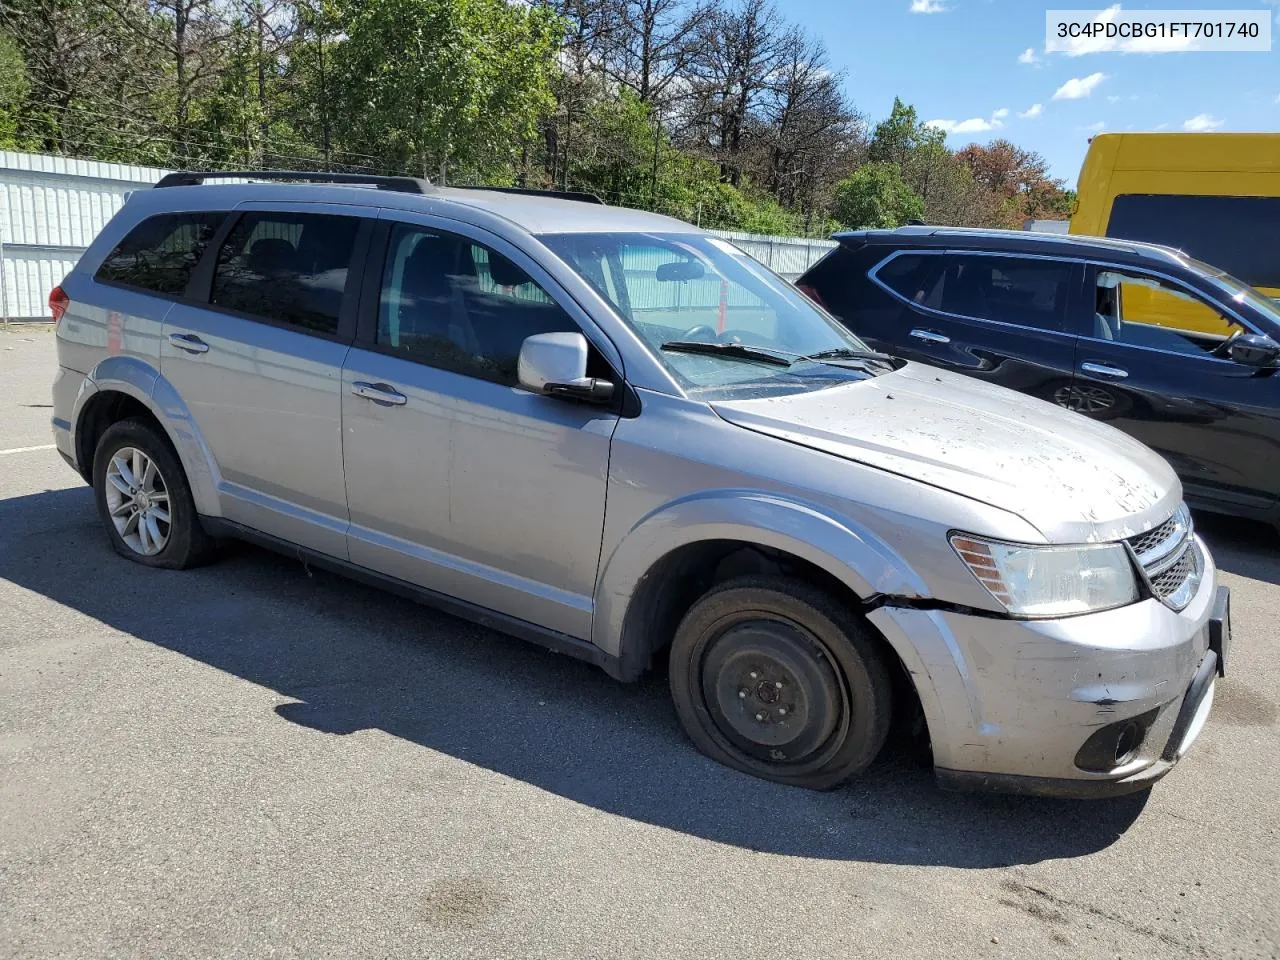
[{"x": 959, "y": 60}]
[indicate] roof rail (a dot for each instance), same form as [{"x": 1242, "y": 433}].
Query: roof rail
[
  {"x": 578, "y": 195},
  {"x": 186, "y": 178}
]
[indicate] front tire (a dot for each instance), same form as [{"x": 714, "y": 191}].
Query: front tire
[
  {"x": 776, "y": 678},
  {"x": 144, "y": 500}
]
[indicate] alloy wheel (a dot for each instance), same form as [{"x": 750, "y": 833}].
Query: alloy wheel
[{"x": 138, "y": 501}]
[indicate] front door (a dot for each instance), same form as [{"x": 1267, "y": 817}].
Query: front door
[
  {"x": 1000, "y": 318},
  {"x": 458, "y": 480},
  {"x": 259, "y": 362},
  {"x": 1216, "y": 421}
]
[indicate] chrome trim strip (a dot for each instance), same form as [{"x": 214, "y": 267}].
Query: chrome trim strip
[{"x": 1086, "y": 261}]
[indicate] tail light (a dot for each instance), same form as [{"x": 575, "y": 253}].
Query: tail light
[
  {"x": 58, "y": 303},
  {"x": 812, "y": 294}
]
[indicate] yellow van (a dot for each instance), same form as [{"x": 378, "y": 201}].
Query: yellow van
[{"x": 1215, "y": 196}]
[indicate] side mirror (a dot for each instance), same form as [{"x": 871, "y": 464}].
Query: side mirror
[
  {"x": 679, "y": 270},
  {"x": 1254, "y": 350},
  {"x": 555, "y": 364}
]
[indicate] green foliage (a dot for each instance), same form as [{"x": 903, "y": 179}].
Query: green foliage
[
  {"x": 14, "y": 87},
  {"x": 876, "y": 196},
  {"x": 445, "y": 81}
]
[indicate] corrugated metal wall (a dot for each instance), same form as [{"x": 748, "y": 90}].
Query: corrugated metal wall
[{"x": 52, "y": 207}]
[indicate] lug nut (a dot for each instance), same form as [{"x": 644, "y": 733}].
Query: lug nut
[
  {"x": 778, "y": 684},
  {"x": 782, "y": 711},
  {"x": 742, "y": 694},
  {"x": 759, "y": 716},
  {"x": 754, "y": 675}
]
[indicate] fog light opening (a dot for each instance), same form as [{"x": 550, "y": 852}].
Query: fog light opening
[{"x": 1127, "y": 742}]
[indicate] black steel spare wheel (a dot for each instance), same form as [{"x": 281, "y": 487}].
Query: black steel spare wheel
[
  {"x": 771, "y": 690},
  {"x": 781, "y": 680}
]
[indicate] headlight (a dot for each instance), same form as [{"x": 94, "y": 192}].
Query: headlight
[{"x": 1049, "y": 581}]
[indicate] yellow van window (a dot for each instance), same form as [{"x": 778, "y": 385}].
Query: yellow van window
[
  {"x": 1235, "y": 234},
  {"x": 1145, "y": 311}
]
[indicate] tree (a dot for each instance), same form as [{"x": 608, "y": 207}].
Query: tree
[
  {"x": 441, "y": 83},
  {"x": 651, "y": 44},
  {"x": 875, "y": 196},
  {"x": 805, "y": 132},
  {"x": 1018, "y": 179},
  {"x": 738, "y": 51},
  {"x": 13, "y": 90}
]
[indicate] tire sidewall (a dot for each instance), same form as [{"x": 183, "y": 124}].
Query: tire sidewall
[{"x": 860, "y": 670}]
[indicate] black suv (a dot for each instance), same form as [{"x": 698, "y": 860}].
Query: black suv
[{"x": 1168, "y": 349}]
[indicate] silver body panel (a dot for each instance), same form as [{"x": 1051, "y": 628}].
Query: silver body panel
[{"x": 554, "y": 513}]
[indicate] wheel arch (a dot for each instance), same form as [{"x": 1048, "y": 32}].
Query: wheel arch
[
  {"x": 676, "y": 553},
  {"x": 122, "y": 387}
]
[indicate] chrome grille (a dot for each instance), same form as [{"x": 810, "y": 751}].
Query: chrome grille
[
  {"x": 1144, "y": 542},
  {"x": 1170, "y": 559}
]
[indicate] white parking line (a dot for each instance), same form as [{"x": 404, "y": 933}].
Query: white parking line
[{"x": 43, "y": 446}]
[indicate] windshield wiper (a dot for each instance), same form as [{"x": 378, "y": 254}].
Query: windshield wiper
[
  {"x": 848, "y": 353},
  {"x": 734, "y": 351}
]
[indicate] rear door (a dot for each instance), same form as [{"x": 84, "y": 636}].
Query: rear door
[
  {"x": 258, "y": 361},
  {"x": 1216, "y": 421},
  {"x": 999, "y": 318}
]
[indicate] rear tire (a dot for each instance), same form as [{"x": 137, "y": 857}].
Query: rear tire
[
  {"x": 776, "y": 678},
  {"x": 144, "y": 500}
]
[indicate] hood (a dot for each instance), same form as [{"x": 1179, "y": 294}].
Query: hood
[{"x": 1072, "y": 478}]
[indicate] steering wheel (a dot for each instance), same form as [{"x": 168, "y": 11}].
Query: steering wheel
[{"x": 701, "y": 331}]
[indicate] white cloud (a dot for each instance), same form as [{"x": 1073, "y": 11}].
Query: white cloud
[
  {"x": 973, "y": 124},
  {"x": 1278, "y": 98},
  {"x": 1032, "y": 111},
  {"x": 1079, "y": 87},
  {"x": 1028, "y": 56},
  {"x": 1202, "y": 122},
  {"x": 927, "y": 6},
  {"x": 1095, "y": 127},
  {"x": 1113, "y": 98}
]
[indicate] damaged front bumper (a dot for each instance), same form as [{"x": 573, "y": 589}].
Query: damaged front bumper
[{"x": 1088, "y": 706}]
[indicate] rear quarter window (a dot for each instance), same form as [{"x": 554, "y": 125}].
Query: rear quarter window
[
  {"x": 1234, "y": 234},
  {"x": 159, "y": 254}
]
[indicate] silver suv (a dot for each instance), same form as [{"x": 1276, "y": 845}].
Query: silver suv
[{"x": 620, "y": 437}]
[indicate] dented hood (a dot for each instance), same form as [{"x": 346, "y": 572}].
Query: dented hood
[{"x": 1074, "y": 479}]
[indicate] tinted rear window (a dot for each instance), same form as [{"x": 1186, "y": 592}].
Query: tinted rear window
[
  {"x": 1234, "y": 234},
  {"x": 160, "y": 252},
  {"x": 1024, "y": 291},
  {"x": 290, "y": 268}
]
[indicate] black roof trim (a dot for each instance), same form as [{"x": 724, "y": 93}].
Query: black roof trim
[{"x": 187, "y": 178}]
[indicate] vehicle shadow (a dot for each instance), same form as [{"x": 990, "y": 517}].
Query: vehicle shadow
[
  {"x": 354, "y": 658},
  {"x": 1244, "y": 547}
]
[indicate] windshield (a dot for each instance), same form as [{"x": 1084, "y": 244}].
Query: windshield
[
  {"x": 1240, "y": 292},
  {"x": 719, "y": 320}
]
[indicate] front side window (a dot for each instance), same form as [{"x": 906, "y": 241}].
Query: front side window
[
  {"x": 1235, "y": 234},
  {"x": 1145, "y": 311},
  {"x": 160, "y": 253},
  {"x": 289, "y": 268},
  {"x": 1024, "y": 291},
  {"x": 721, "y": 322},
  {"x": 454, "y": 304}
]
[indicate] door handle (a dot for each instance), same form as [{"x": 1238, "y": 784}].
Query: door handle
[
  {"x": 380, "y": 393},
  {"x": 188, "y": 342},
  {"x": 1104, "y": 370},
  {"x": 930, "y": 336}
]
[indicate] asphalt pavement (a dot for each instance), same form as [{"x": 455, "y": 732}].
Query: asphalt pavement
[{"x": 256, "y": 759}]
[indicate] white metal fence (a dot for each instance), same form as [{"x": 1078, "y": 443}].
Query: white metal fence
[{"x": 52, "y": 207}]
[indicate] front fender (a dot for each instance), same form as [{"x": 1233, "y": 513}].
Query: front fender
[
  {"x": 139, "y": 380},
  {"x": 858, "y": 558}
]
